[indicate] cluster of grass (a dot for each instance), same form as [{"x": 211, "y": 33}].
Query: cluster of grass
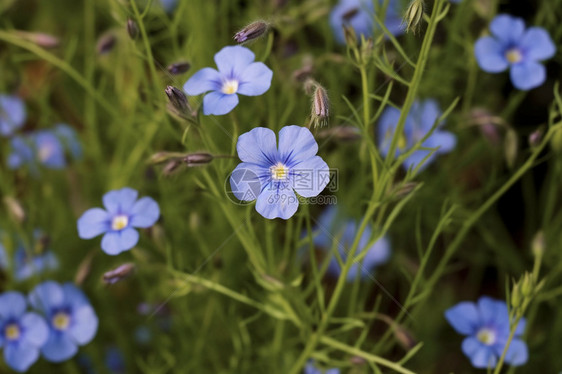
[{"x": 220, "y": 288}]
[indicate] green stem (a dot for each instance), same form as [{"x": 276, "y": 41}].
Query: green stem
[
  {"x": 504, "y": 353},
  {"x": 146, "y": 43}
]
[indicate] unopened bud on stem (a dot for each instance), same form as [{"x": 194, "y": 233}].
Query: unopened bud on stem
[
  {"x": 320, "y": 112},
  {"x": 414, "y": 15},
  {"x": 178, "y": 68},
  {"x": 132, "y": 29},
  {"x": 251, "y": 32}
]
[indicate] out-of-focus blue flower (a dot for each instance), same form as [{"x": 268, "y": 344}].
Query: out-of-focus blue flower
[
  {"x": 68, "y": 136},
  {"x": 123, "y": 212},
  {"x": 418, "y": 123},
  {"x": 271, "y": 174},
  {"x": 114, "y": 360},
  {"x": 333, "y": 230},
  {"x": 513, "y": 47},
  {"x": 34, "y": 260},
  {"x": 22, "y": 334},
  {"x": 311, "y": 368},
  {"x": 12, "y": 114},
  {"x": 359, "y": 14},
  {"x": 3, "y": 256},
  {"x": 22, "y": 153},
  {"x": 486, "y": 325},
  {"x": 169, "y": 5},
  {"x": 72, "y": 320},
  {"x": 237, "y": 74}
]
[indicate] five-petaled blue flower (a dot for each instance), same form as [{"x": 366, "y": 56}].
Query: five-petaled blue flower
[
  {"x": 359, "y": 14},
  {"x": 12, "y": 114},
  {"x": 311, "y": 368},
  {"x": 336, "y": 231},
  {"x": 418, "y": 123},
  {"x": 487, "y": 327},
  {"x": 123, "y": 212},
  {"x": 71, "y": 319},
  {"x": 237, "y": 74},
  {"x": 270, "y": 172},
  {"x": 22, "y": 334},
  {"x": 511, "y": 46}
]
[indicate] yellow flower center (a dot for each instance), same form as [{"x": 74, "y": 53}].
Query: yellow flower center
[
  {"x": 12, "y": 332},
  {"x": 230, "y": 87},
  {"x": 119, "y": 222},
  {"x": 513, "y": 55},
  {"x": 486, "y": 336},
  {"x": 279, "y": 172},
  {"x": 61, "y": 321}
]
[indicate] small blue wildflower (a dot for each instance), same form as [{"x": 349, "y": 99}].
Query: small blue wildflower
[
  {"x": 486, "y": 326},
  {"x": 513, "y": 47},
  {"x": 12, "y": 114},
  {"x": 21, "y": 334},
  {"x": 123, "y": 212},
  {"x": 237, "y": 74},
  {"x": 359, "y": 15},
  {"x": 71, "y": 319},
  {"x": 336, "y": 231},
  {"x": 270, "y": 173},
  {"x": 311, "y": 368},
  {"x": 418, "y": 123}
]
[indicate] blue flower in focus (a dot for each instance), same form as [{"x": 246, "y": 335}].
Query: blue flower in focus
[
  {"x": 359, "y": 15},
  {"x": 311, "y": 368},
  {"x": 237, "y": 74},
  {"x": 22, "y": 334},
  {"x": 123, "y": 213},
  {"x": 486, "y": 325},
  {"x": 12, "y": 114},
  {"x": 272, "y": 173},
  {"x": 336, "y": 231},
  {"x": 71, "y": 319},
  {"x": 513, "y": 47},
  {"x": 418, "y": 123}
]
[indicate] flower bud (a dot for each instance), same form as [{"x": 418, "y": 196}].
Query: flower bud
[
  {"x": 367, "y": 50},
  {"x": 14, "y": 209},
  {"x": 178, "y": 68},
  {"x": 320, "y": 107},
  {"x": 516, "y": 296},
  {"x": 535, "y": 138},
  {"x": 350, "y": 36},
  {"x": 41, "y": 39},
  {"x": 132, "y": 29},
  {"x": 251, "y": 32},
  {"x": 178, "y": 100},
  {"x": 414, "y": 15},
  {"x": 171, "y": 167},
  {"x": 105, "y": 43},
  {"x": 538, "y": 244},
  {"x": 118, "y": 274},
  {"x": 196, "y": 159},
  {"x": 527, "y": 285},
  {"x": 163, "y": 156}
]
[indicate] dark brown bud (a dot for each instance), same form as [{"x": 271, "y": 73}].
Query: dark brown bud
[
  {"x": 195, "y": 159},
  {"x": 251, "y": 32},
  {"x": 132, "y": 29},
  {"x": 118, "y": 274},
  {"x": 178, "y": 100},
  {"x": 178, "y": 68}
]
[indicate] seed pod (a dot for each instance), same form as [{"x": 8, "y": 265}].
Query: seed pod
[
  {"x": 251, "y": 32},
  {"x": 118, "y": 274}
]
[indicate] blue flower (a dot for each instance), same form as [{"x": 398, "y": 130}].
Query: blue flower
[
  {"x": 359, "y": 15},
  {"x": 336, "y": 231},
  {"x": 513, "y": 47},
  {"x": 114, "y": 360},
  {"x": 237, "y": 74},
  {"x": 12, "y": 114},
  {"x": 22, "y": 334},
  {"x": 68, "y": 136},
  {"x": 168, "y": 5},
  {"x": 486, "y": 326},
  {"x": 311, "y": 368},
  {"x": 34, "y": 261},
  {"x": 71, "y": 319},
  {"x": 123, "y": 212},
  {"x": 418, "y": 123},
  {"x": 270, "y": 173}
]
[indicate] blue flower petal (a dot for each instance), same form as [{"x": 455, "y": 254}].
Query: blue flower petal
[
  {"x": 361, "y": 20},
  {"x": 377, "y": 254},
  {"x": 537, "y": 44},
  {"x": 386, "y": 127},
  {"x": 93, "y": 222},
  {"x": 145, "y": 213},
  {"x": 258, "y": 146},
  {"x": 296, "y": 144},
  {"x": 70, "y": 139},
  {"x": 217, "y": 103},
  {"x": 115, "y": 242},
  {"x": 445, "y": 140},
  {"x": 12, "y": 305},
  {"x": 207, "y": 79},
  {"x": 255, "y": 80},
  {"x": 425, "y": 113},
  {"x": 521, "y": 327},
  {"x": 416, "y": 158},
  {"x": 490, "y": 55},
  {"x": 120, "y": 201},
  {"x": 310, "y": 177},
  {"x": 232, "y": 60},
  {"x": 480, "y": 355},
  {"x": 47, "y": 296},
  {"x": 527, "y": 75},
  {"x": 247, "y": 180},
  {"x": 14, "y": 114},
  {"x": 84, "y": 325},
  {"x": 463, "y": 317},
  {"x": 507, "y": 29},
  {"x": 494, "y": 313},
  {"x": 21, "y": 356},
  {"x": 21, "y": 153},
  {"x": 74, "y": 296},
  {"x": 36, "y": 329},
  {"x": 59, "y": 347},
  {"x": 517, "y": 353},
  {"x": 277, "y": 201},
  {"x": 49, "y": 150}
]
